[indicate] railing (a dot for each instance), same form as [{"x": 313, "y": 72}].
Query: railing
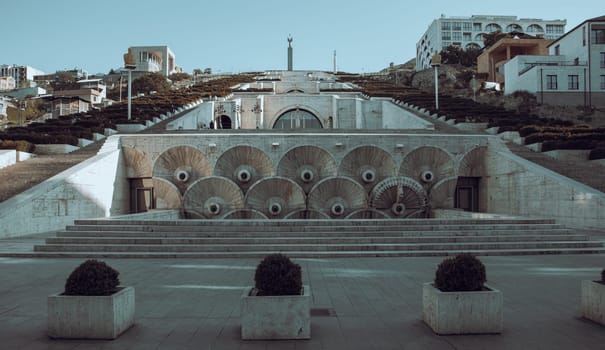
[{"x": 531, "y": 65}]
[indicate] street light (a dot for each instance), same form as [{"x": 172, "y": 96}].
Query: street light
[
  {"x": 129, "y": 64},
  {"x": 435, "y": 63}
]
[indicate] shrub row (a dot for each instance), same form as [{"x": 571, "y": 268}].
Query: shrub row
[
  {"x": 68, "y": 128},
  {"x": 20, "y": 145}
]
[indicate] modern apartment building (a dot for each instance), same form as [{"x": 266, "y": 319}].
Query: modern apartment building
[
  {"x": 19, "y": 73},
  {"x": 467, "y": 32},
  {"x": 572, "y": 74},
  {"x": 154, "y": 59}
]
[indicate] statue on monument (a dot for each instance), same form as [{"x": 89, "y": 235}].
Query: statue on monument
[
  {"x": 290, "y": 40},
  {"x": 129, "y": 60}
]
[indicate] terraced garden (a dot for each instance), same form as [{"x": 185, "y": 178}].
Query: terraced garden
[
  {"x": 69, "y": 129},
  {"x": 553, "y": 133}
]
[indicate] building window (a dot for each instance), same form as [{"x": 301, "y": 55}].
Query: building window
[
  {"x": 602, "y": 82},
  {"x": 477, "y": 27},
  {"x": 551, "y": 82},
  {"x": 479, "y": 37},
  {"x": 456, "y": 26},
  {"x": 456, "y": 36},
  {"x": 514, "y": 28},
  {"x": 534, "y": 28},
  {"x": 446, "y": 36},
  {"x": 583, "y": 36},
  {"x": 467, "y": 26},
  {"x": 493, "y": 27},
  {"x": 297, "y": 119},
  {"x": 446, "y": 44},
  {"x": 597, "y": 36},
  {"x": 602, "y": 60},
  {"x": 467, "y": 37},
  {"x": 446, "y": 26},
  {"x": 554, "y": 29},
  {"x": 557, "y": 50},
  {"x": 573, "y": 82}
]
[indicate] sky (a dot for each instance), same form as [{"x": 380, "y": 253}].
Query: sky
[{"x": 238, "y": 35}]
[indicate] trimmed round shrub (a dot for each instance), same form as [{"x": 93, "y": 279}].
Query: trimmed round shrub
[
  {"x": 462, "y": 273},
  {"x": 92, "y": 277},
  {"x": 278, "y": 275}
]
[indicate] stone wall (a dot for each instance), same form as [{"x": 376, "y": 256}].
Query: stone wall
[
  {"x": 83, "y": 191},
  {"x": 10, "y": 157},
  {"x": 516, "y": 186}
]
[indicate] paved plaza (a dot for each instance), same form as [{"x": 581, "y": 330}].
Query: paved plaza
[{"x": 358, "y": 303}]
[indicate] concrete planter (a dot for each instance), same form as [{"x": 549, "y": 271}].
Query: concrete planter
[
  {"x": 276, "y": 317},
  {"x": 593, "y": 301},
  {"x": 462, "y": 312},
  {"x": 91, "y": 317}
]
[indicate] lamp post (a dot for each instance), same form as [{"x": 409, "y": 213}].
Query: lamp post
[
  {"x": 129, "y": 64},
  {"x": 435, "y": 63},
  {"x": 20, "y": 107},
  {"x": 256, "y": 110}
]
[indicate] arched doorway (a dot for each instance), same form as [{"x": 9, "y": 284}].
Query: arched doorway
[
  {"x": 297, "y": 119},
  {"x": 225, "y": 122}
]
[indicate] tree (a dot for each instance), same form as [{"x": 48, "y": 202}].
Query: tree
[
  {"x": 456, "y": 55},
  {"x": 491, "y": 38},
  {"x": 64, "y": 81},
  {"x": 150, "y": 82},
  {"x": 179, "y": 76}
]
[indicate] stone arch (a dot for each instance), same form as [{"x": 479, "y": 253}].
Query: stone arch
[
  {"x": 308, "y": 109},
  {"x": 534, "y": 28},
  {"x": 493, "y": 27},
  {"x": 137, "y": 164},
  {"x": 473, "y": 163}
]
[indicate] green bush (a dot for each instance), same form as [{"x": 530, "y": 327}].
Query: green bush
[
  {"x": 461, "y": 273},
  {"x": 92, "y": 277},
  {"x": 278, "y": 275}
]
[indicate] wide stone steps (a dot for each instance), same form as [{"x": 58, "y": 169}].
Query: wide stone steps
[
  {"x": 313, "y": 247},
  {"x": 470, "y": 231},
  {"x": 313, "y": 238}
]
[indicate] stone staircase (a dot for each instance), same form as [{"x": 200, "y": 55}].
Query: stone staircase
[{"x": 313, "y": 238}]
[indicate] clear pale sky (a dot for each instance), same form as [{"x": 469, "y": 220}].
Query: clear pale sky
[{"x": 240, "y": 35}]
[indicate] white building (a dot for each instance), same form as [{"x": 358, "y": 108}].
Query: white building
[
  {"x": 96, "y": 84},
  {"x": 4, "y": 107},
  {"x": 572, "y": 74},
  {"x": 7, "y": 83},
  {"x": 19, "y": 73},
  {"x": 468, "y": 32},
  {"x": 154, "y": 59}
]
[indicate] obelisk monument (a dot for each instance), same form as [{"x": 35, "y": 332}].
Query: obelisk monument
[{"x": 289, "y": 52}]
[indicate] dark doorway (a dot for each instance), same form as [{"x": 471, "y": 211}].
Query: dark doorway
[
  {"x": 225, "y": 122},
  {"x": 467, "y": 194},
  {"x": 141, "y": 195}
]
